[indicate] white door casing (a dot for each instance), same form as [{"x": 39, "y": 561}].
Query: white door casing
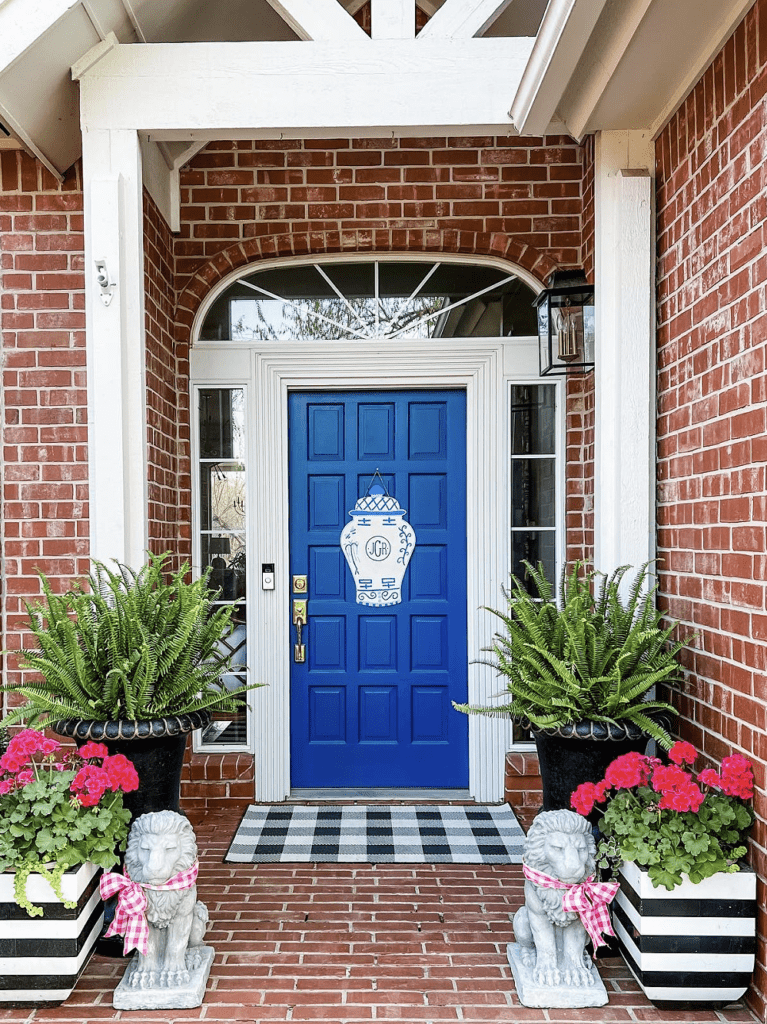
[{"x": 477, "y": 367}]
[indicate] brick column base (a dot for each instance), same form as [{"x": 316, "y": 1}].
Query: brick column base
[
  {"x": 522, "y": 786},
  {"x": 216, "y": 782}
]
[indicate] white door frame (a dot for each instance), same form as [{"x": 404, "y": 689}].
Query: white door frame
[{"x": 476, "y": 366}]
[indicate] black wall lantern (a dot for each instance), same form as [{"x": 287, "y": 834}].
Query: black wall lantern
[{"x": 566, "y": 323}]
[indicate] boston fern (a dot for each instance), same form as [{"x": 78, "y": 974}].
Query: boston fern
[
  {"x": 132, "y": 645},
  {"x": 594, "y": 657}
]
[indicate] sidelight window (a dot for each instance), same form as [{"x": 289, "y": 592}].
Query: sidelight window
[{"x": 221, "y": 492}]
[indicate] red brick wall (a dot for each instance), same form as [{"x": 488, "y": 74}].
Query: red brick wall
[
  {"x": 167, "y": 395},
  {"x": 712, "y": 389},
  {"x": 581, "y": 401},
  {"x": 392, "y": 192},
  {"x": 587, "y": 198},
  {"x": 579, "y": 467},
  {"x": 45, "y": 467}
]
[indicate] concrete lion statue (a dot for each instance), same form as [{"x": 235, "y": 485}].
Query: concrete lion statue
[
  {"x": 161, "y": 846},
  {"x": 552, "y": 941}
]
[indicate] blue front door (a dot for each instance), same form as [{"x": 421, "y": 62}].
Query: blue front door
[{"x": 371, "y": 703}]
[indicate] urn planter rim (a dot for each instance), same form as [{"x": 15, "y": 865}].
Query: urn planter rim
[
  {"x": 590, "y": 729},
  {"x": 131, "y": 729}
]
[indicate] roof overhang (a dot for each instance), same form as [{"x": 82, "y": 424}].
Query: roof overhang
[
  {"x": 619, "y": 64},
  {"x": 304, "y": 67}
]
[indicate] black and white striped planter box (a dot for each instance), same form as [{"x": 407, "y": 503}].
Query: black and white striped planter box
[
  {"x": 41, "y": 958},
  {"x": 694, "y": 944}
]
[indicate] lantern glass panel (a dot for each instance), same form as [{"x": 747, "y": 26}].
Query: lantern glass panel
[{"x": 566, "y": 329}]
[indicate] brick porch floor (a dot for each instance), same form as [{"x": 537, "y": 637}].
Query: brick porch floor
[{"x": 357, "y": 943}]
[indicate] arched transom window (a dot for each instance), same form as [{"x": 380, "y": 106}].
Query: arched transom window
[{"x": 363, "y": 300}]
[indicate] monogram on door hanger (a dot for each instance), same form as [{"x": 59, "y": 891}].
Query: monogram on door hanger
[{"x": 377, "y": 544}]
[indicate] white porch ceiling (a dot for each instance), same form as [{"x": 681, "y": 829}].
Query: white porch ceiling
[{"x": 595, "y": 64}]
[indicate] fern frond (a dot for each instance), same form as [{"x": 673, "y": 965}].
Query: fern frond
[{"x": 591, "y": 655}]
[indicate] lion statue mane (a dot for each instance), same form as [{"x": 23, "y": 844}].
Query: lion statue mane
[
  {"x": 160, "y": 845},
  {"x": 559, "y": 844}
]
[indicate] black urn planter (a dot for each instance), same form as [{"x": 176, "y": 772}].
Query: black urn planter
[
  {"x": 580, "y": 752},
  {"x": 156, "y": 747}
]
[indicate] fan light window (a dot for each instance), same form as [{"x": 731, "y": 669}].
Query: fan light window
[{"x": 361, "y": 301}]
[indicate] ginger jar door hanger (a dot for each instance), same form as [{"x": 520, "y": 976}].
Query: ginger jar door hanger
[{"x": 377, "y": 544}]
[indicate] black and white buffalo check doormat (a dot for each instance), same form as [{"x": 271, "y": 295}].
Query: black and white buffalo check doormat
[{"x": 373, "y": 833}]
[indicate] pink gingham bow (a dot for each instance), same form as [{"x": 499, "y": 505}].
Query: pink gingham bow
[
  {"x": 130, "y": 915},
  {"x": 588, "y": 899}
]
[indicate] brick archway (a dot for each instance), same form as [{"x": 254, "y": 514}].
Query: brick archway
[{"x": 319, "y": 243}]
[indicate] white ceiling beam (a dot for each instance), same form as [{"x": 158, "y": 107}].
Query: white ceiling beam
[
  {"x": 319, "y": 19},
  {"x": 95, "y": 20},
  {"x": 427, "y": 6},
  {"x": 392, "y": 19},
  {"x": 565, "y": 30},
  {"x": 162, "y": 176},
  {"x": 24, "y": 21},
  {"x": 287, "y": 86},
  {"x": 462, "y": 19},
  {"x": 134, "y": 20},
  {"x": 94, "y": 55},
  {"x": 582, "y": 101},
  {"x": 176, "y": 154},
  {"x": 161, "y": 180}
]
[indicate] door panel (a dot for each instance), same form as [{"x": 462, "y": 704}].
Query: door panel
[{"x": 370, "y": 705}]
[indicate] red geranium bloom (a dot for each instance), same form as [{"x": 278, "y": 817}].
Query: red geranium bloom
[
  {"x": 92, "y": 749},
  {"x": 682, "y": 753},
  {"x": 683, "y": 798},
  {"x": 628, "y": 771},
  {"x": 737, "y": 777},
  {"x": 586, "y": 796},
  {"x": 13, "y": 762},
  {"x": 667, "y": 777},
  {"x": 29, "y": 741},
  {"x": 121, "y": 773},
  {"x": 89, "y": 785},
  {"x": 710, "y": 778}
]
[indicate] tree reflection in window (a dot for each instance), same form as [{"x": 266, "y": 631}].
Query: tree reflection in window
[{"x": 372, "y": 300}]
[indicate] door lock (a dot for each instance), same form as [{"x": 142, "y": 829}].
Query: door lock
[{"x": 300, "y": 584}]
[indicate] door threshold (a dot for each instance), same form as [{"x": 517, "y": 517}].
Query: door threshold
[{"x": 409, "y": 795}]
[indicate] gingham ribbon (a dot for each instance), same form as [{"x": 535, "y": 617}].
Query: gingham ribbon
[
  {"x": 130, "y": 915},
  {"x": 588, "y": 898}
]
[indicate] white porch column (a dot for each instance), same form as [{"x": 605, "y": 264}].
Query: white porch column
[
  {"x": 624, "y": 485},
  {"x": 115, "y": 344}
]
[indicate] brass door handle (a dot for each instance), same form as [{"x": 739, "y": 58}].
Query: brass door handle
[{"x": 299, "y": 621}]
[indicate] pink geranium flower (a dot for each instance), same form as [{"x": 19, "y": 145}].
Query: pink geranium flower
[
  {"x": 121, "y": 774},
  {"x": 75, "y": 807},
  {"x": 627, "y": 771},
  {"x": 668, "y": 820},
  {"x": 91, "y": 749},
  {"x": 682, "y": 753}
]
